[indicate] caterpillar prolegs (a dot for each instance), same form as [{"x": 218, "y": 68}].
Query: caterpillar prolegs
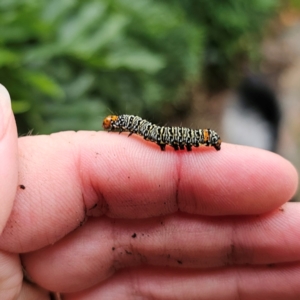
[{"x": 177, "y": 137}]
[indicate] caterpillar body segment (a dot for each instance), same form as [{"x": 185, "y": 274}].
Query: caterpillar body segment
[{"x": 176, "y": 137}]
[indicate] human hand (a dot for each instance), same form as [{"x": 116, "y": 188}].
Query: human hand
[{"x": 103, "y": 216}]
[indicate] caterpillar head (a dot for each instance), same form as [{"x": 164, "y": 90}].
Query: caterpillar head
[
  {"x": 108, "y": 122},
  {"x": 215, "y": 140}
]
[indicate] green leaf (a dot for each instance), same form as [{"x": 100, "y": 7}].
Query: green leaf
[
  {"x": 108, "y": 32},
  {"x": 8, "y": 57},
  {"x": 43, "y": 83},
  {"x": 20, "y": 106},
  {"x": 75, "y": 27},
  {"x": 135, "y": 58}
]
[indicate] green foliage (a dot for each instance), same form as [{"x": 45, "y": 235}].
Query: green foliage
[
  {"x": 294, "y": 3},
  {"x": 233, "y": 30},
  {"x": 68, "y": 63}
]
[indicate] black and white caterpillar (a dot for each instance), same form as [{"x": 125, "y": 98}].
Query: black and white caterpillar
[{"x": 177, "y": 137}]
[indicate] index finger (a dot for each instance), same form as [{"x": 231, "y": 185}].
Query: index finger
[
  {"x": 68, "y": 175},
  {"x": 141, "y": 181}
]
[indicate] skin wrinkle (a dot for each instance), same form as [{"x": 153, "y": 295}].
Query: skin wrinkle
[
  {"x": 115, "y": 242},
  {"x": 87, "y": 185},
  {"x": 43, "y": 210},
  {"x": 84, "y": 219},
  {"x": 177, "y": 192},
  {"x": 193, "y": 205},
  {"x": 238, "y": 252},
  {"x": 77, "y": 165},
  {"x": 94, "y": 192},
  {"x": 232, "y": 254},
  {"x": 237, "y": 288},
  {"x": 164, "y": 245},
  {"x": 180, "y": 200},
  {"x": 178, "y": 166}
]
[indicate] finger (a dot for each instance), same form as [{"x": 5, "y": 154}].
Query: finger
[
  {"x": 268, "y": 283},
  {"x": 11, "y": 276},
  {"x": 103, "y": 246},
  {"x": 66, "y": 176},
  {"x": 8, "y": 156}
]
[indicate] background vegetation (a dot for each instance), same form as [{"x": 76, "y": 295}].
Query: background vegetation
[{"x": 69, "y": 63}]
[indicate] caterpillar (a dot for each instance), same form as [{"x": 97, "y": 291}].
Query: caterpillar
[{"x": 177, "y": 137}]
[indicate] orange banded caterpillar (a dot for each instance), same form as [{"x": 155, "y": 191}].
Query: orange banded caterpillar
[{"x": 177, "y": 137}]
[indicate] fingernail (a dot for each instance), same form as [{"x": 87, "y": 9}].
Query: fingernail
[{"x": 5, "y": 107}]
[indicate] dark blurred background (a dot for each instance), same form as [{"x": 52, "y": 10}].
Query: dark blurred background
[{"x": 198, "y": 63}]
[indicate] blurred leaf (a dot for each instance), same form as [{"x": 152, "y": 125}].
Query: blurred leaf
[
  {"x": 8, "y": 57},
  {"x": 20, "y": 106},
  {"x": 76, "y": 26},
  {"x": 43, "y": 83},
  {"x": 103, "y": 36},
  {"x": 295, "y": 3},
  {"x": 80, "y": 86},
  {"x": 135, "y": 58}
]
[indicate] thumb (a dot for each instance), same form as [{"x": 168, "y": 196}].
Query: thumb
[{"x": 8, "y": 157}]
